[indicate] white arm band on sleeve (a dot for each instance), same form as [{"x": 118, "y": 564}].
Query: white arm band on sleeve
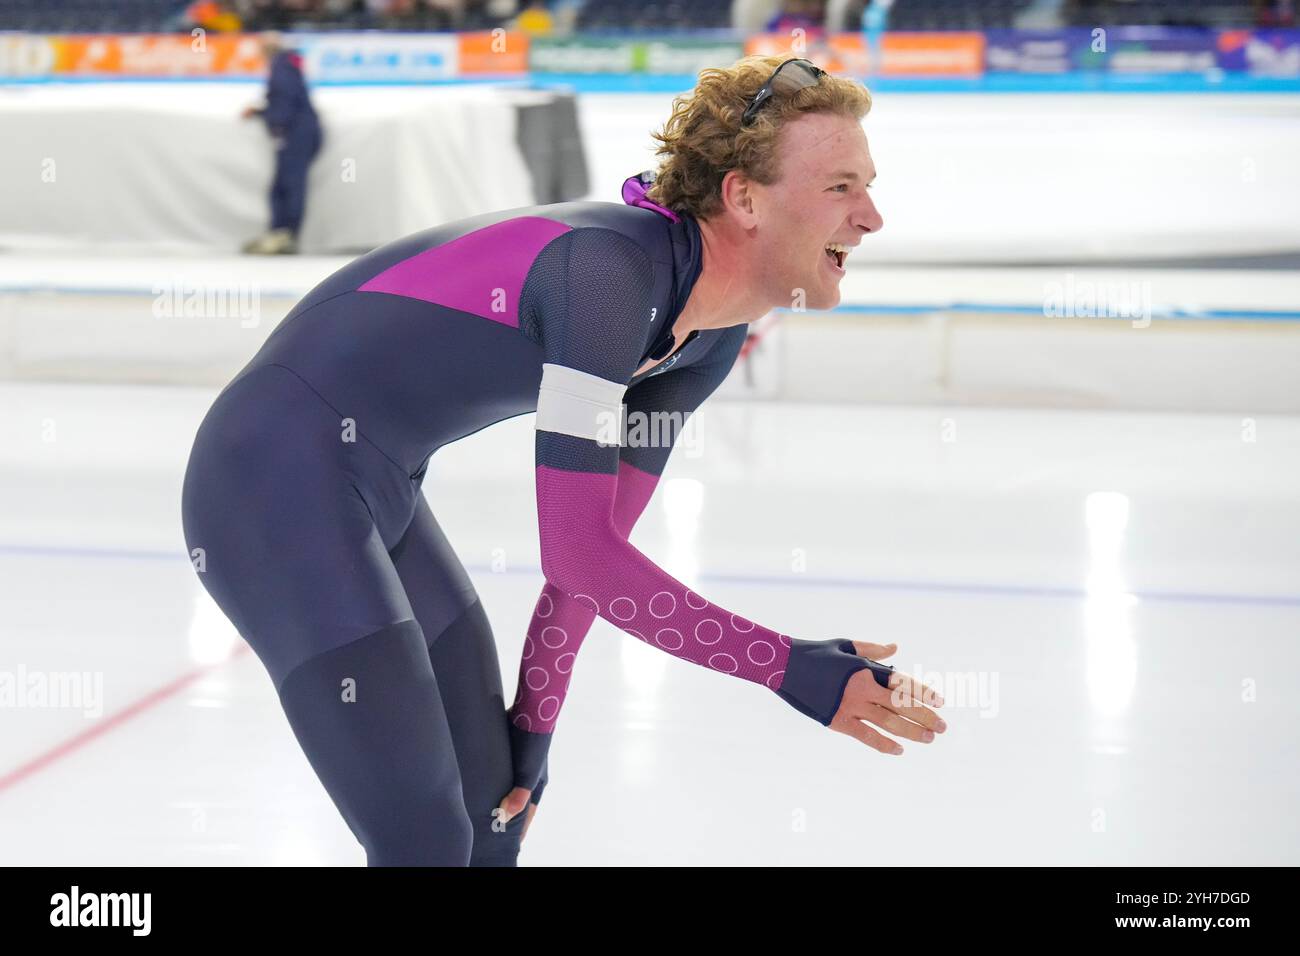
[{"x": 580, "y": 404}]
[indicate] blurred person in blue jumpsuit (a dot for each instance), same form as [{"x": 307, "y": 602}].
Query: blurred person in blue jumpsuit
[{"x": 295, "y": 128}]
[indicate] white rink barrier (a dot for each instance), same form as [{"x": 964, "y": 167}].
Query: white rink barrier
[{"x": 1194, "y": 340}]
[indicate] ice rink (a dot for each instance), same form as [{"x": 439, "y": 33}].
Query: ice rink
[{"x": 1109, "y": 603}]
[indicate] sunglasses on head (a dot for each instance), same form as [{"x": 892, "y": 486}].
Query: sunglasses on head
[{"x": 790, "y": 76}]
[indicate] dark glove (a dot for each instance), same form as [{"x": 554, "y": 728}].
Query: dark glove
[
  {"x": 529, "y": 753},
  {"x": 541, "y": 785},
  {"x": 817, "y": 673}
]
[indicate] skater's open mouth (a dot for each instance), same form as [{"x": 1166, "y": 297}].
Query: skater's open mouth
[{"x": 838, "y": 252}]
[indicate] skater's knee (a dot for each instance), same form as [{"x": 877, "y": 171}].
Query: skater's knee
[
  {"x": 496, "y": 844},
  {"x": 438, "y": 834}
]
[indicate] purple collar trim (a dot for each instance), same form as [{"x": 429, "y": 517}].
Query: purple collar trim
[{"x": 634, "y": 190}]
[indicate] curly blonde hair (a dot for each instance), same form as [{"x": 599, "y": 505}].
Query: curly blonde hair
[{"x": 703, "y": 139}]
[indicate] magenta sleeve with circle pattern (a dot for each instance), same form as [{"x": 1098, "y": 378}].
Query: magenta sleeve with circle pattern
[
  {"x": 584, "y": 555},
  {"x": 586, "y": 558},
  {"x": 559, "y": 623}
]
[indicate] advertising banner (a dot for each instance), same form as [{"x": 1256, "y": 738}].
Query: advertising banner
[
  {"x": 160, "y": 55},
  {"x": 687, "y": 56},
  {"x": 1159, "y": 49},
  {"x": 500, "y": 52},
  {"x": 25, "y": 55},
  {"x": 378, "y": 57},
  {"x": 684, "y": 55},
  {"x": 1122, "y": 54},
  {"x": 581, "y": 55},
  {"x": 327, "y": 58},
  {"x": 1040, "y": 51},
  {"x": 932, "y": 54},
  {"x": 840, "y": 53},
  {"x": 1260, "y": 52}
]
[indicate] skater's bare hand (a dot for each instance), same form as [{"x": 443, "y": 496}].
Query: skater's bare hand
[
  {"x": 248, "y": 112},
  {"x": 513, "y": 802},
  {"x": 900, "y": 710}
]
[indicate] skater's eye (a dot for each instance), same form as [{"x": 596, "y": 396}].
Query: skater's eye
[{"x": 841, "y": 186}]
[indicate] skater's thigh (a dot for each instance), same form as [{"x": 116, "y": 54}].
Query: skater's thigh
[
  {"x": 462, "y": 651},
  {"x": 281, "y": 536},
  {"x": 370, "y": 719},
  {"x": 436, "y": 583}
]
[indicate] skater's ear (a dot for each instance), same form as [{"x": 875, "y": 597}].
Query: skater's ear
[{"x": 738, "y": 197}]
